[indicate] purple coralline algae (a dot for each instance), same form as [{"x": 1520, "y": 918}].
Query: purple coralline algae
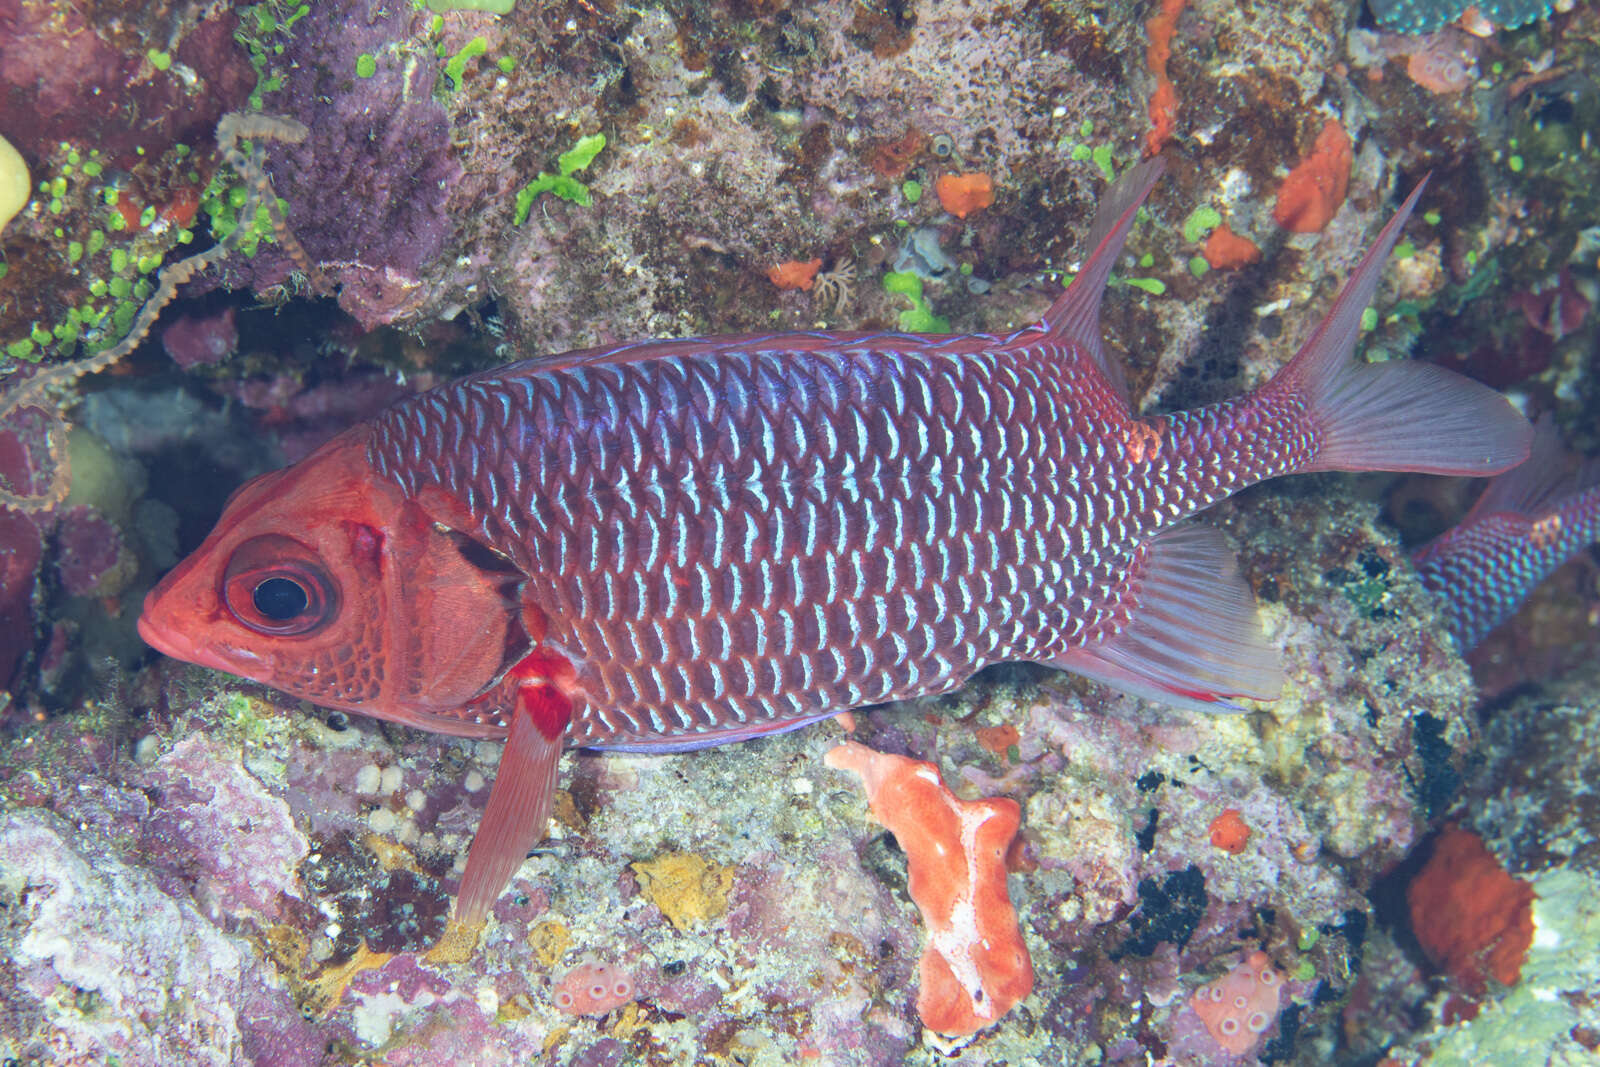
[
  {"x": 102, "y": 966},
  {"x": 194, "y": 341},
  {"x": 382, "y": 139},
  {"x": 66, "y": 75},
  {"x": 21, "y": 541},
  {"x": 220, "y": 834}
]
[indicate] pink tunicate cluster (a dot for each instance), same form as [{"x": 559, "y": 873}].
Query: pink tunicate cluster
[
  {"x": 1241, "y": 1005},
  {"x": 1444, "y": 62},
  {"x": 593, "y": 988}
]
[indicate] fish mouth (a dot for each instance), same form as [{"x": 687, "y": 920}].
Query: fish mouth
[
  {"x": 157, "y": 634},
  {"x": 166, "y": 638}
]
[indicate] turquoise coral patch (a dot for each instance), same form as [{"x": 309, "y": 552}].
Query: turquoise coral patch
[{"x": 1425, "y": 16}]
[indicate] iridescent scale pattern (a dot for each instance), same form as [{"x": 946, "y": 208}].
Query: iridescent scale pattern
[
  {"x": 748, "y": 535},
  {"x": 1484, "y": 570}
]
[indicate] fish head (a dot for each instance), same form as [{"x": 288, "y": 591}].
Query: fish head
[{"x": 326, "y": 581}]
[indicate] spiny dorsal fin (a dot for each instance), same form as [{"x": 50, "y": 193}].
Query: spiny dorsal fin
[{"x": 1075, "y": 316}]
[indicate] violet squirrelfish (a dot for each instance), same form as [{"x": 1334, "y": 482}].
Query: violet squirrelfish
[
  {"x": 674, "y": 544},
  {"x": 1529, "y": 521}
]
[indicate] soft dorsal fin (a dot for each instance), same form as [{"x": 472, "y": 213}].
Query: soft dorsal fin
[{"x": 1075, "y": 316}]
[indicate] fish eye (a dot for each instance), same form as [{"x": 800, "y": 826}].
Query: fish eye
[
  {"x": 280, "y": 599},
  {"x": 277, "y": 586}
]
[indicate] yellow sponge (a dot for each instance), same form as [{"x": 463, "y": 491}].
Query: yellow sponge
[{"x": 14, "y": 182}]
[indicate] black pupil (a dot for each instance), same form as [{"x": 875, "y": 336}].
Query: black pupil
[{"x": 279, "y": 599}]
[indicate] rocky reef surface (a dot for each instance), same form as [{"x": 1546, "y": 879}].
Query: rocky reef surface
[
  {"x": 194, "y": 869},
  {"x": 190, "y": 826}
]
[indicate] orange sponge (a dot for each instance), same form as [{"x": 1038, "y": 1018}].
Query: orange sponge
[
  {"x": 1225, "y": 249},
  {"x": 975, "y": 967},
  {"x": 962, "y": 194},
  {"x": 1315, "y": 190},
  {"x": 795, "y": 274},
  {"x": 1472, "y": 918}
]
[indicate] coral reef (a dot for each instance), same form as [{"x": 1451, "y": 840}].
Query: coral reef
[
  {"x": 193, "y": 868},
  {"x": 741, "y": 890},
  {"x": 1528, "y": 810},
  {"x": 111, "y": 968}
]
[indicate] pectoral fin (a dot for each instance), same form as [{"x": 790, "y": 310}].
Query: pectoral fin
[{"x": 519, "y": 803}]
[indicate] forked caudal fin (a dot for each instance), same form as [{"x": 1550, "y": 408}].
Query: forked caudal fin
[
  {"x": 1397, "y": 416},
  {"x": 1548, "y": 479}
]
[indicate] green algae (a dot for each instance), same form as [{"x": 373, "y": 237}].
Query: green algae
[
  {"x": 562, "y": 184},
  {"x": 920, "y": 318},
  {"x": 1201, "y": 221}
]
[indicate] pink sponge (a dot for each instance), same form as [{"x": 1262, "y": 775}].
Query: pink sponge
[{"x": 1241, "y": 1005}]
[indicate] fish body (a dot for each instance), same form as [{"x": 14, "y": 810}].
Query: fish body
[
  {"x": 1528, "y": 522},
  {"x": 679, "y": 543},
  {"x": 761, "y": 531}
]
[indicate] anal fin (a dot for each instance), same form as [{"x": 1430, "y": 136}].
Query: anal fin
[
  {"x": 1193, "y": 638},
  {"x": 519, "y": 802}
]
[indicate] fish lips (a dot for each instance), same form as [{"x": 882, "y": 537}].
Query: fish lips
[{"x": 167, "y": 635}]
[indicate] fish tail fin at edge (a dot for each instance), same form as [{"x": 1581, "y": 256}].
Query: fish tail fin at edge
[
  {"x": 1396, "y": 416},
  {"x": 1540, "y": 485},
  {"x": 1075, "y": 315},
  {"x": 519, "y": 802},
  {"x": 1193, "y": 638}
]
